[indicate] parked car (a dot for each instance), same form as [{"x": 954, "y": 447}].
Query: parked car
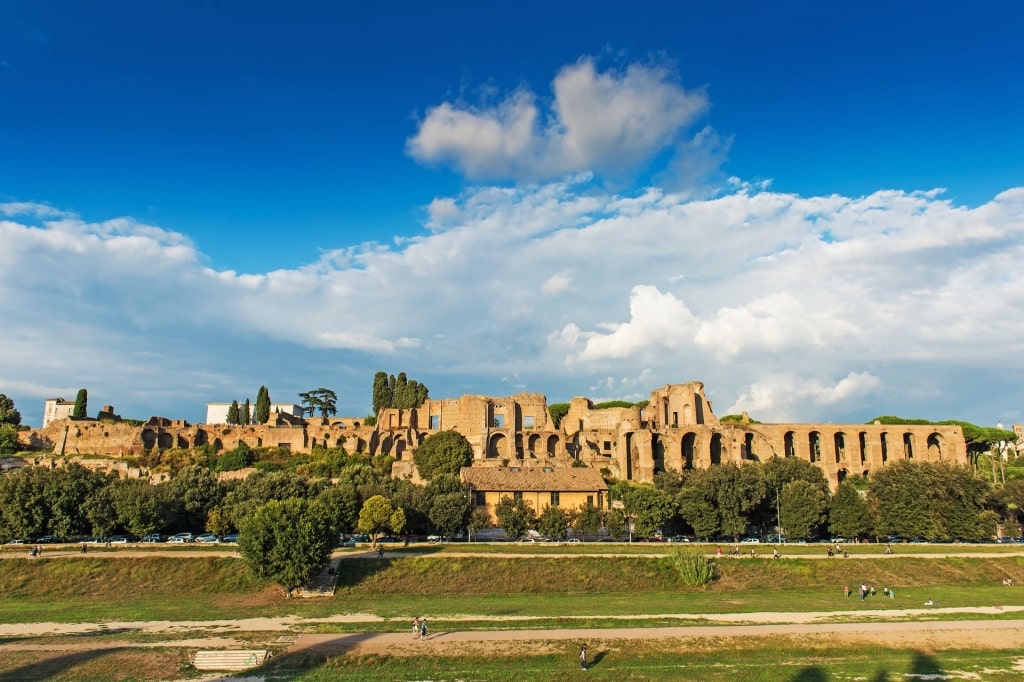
[
  {"x": 181, "y": 537},
  {"x": 775, "y": 537},
  {"x": 47, "y": 539},
  {"x": 15, "y": 542},
  {"x": 751, "y": 540},
  {"x": 154, "y": 537},
  {"x": 230, "y": 537},
  {"x": 122, "y": 539},
  {"x": 206, "y": 538},
  {"x": 351, "y": 542}
]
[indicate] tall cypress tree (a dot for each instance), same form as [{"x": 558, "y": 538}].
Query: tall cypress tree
[
  {"x": 262, "y": 414},
  {"x": 246, "y": 412},
  {"x": 232, "y": 416},
  {"x": 381, "y": 396},
  {"x": 81, "y": 404}
]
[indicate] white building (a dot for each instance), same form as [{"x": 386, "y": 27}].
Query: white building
[
  {"x": 57, "y": 408},
  {"x": 217, "y": 413}
]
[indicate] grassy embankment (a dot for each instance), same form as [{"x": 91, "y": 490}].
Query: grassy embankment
[
  {"x": 585, "y": 588},
  {"x": 535, "y": 592}
]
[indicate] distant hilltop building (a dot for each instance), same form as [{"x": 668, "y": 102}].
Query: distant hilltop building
[
  {"x": 57, "y": 408},
  {"x": 217, "y": 413},
  {"x": 676, "y": 430}
]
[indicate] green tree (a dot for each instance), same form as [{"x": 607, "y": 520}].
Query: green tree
[
  {"x": 381, "y": 394},
  {"x": 901, "y": 496},
  {"x": 287, "y": 541},
  {"x": 444, "y": 452},
  {"x": 553, "y": 523},
  {"x": 778, "y": 471},
  {"x": 195, "y": 493},
  {"x": 260, "y": 488},
  {"x": 262, "y": 414},
  {"x": 66, "y": 490},
  {"x": 9, "y": 442},
  {"x": 615, "y": 522},
  {"x": 375, "y": 517},
  {"x": 142, "y": 508},
  {"x": 649, "y": 508},
  {"x": 398, "y": 392},
  {"x": 736, "y": 491},
  {"x": 589, "y": 521},
  {"x": 849, "y": 515},
  {"x": 323, "y": 399},
  {"x": 450, "y": 511},
  {"x": 233, "y": 416},
  {"x": 514, "y": 516},
  {"x": 23, "y": 507},
  {"x": 558, "y": 412},
  {"x": 81, "y": 408},
  {"x": 698, "y": 511},
  {"x": 99, "y": 511},
  {"x": 479, "y": 520},
  {"x": 245, "y": 416},
  {"x": 803, "y": 506},
  {"x": 8, "y": 414}
]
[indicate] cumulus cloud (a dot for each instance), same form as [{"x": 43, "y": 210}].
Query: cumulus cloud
[
  {"x": 789, "y": 307},
  {"x": 782, "y": 398},
  {"x": 608, "y": 121}
]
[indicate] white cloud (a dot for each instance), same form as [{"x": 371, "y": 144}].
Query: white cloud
[
  {"x": 783, "y": 397},
  {"x": 609, "y": 121},
  {"x": 769, "y": 298},
  {"x": 556, "y": 284}
]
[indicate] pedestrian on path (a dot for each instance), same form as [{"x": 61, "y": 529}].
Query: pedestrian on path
[
  {"x": 423, "y": 627},
  {"x": 380, "y": 551},
  {"x": 416, "y": 627},
  {"x": 583, "y": 657}
]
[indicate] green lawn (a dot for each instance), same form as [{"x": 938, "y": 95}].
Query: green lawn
[
  {"x": 781, "y": 661},
  {"x": 204, "y": 588}
]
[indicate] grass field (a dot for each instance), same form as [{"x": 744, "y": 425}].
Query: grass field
[{"x": 465, "y": 593}]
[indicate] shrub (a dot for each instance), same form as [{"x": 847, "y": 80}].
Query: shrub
[{"x": 694, "y": 568}]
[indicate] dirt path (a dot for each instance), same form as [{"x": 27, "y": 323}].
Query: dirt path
[{"x": 933, "y": 634}]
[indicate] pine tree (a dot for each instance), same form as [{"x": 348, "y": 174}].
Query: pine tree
[
  {"x": 232, "y": 417},
  {"x": 246, "y": 414},
  {"x": 81, "y": 404},
  {"x": 262, "y": 414}
]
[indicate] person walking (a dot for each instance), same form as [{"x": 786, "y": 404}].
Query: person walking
[
  {"x": 380, "y": 551},
  {"x": 583, "y": 657},
  {"x": 846, "y": 591},
  {"x": 416, "y": 627},
  {"x": 423, "y": 627}
]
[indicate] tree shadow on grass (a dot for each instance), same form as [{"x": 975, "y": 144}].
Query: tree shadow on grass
[
  {"x": 811, "y": 674},
  {"x": 49, "y": 668},
  {"x": 923, "y": 664},
  {"x": 314, "y": 653}
]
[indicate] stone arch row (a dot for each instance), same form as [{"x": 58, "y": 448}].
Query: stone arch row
[
  {"x": 520, "y": 446},
  {"x": 843, "y": 448},
  {"x": 839, "y": 447}
]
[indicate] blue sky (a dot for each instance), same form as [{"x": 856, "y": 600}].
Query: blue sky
[{"x": 816, "y": 208}]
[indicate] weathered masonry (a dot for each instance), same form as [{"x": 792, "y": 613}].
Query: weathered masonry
[{"x": 676, "y": 430}]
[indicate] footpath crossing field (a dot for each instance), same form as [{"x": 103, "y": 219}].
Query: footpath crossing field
[{"x": 506, "y": 612}]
